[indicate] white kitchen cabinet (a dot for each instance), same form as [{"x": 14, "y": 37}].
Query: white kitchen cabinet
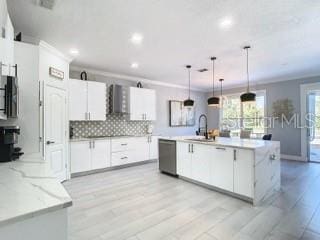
[
  {"x": 222, "y": 168},
  {"x": 184, "y": 158},
  {"x": 89, "y": 155},
  {"x": 97, "y": 108},
  {"x": 243, "y": 183},
  {"x": 100, "y": 154},
  {"x": 141, "y": 149},
  {"x": 201, "y": 162},
  {"x": 87, "y": 100},
  {"x": 80, "y": 155},
  {"x": 142, "y": 104},
  {"x": 153, "y": 147},
  {"x": 78, "y": 93}
]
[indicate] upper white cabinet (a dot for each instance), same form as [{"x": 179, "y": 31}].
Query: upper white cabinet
[
  {"x": 7, "y": 48},
  {"x": 142, "y": 104},
  {"x": 78, "y": 100},
  {"x": 87, "y": 100},
  {"x": 97, "y": 106}
]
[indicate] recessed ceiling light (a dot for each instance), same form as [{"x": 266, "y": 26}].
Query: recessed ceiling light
[
  {"x": 74, "y": 51},
  {"x": 134, "y": 65},
  {"x": 226, "y": 23},
  {"x": 136, "y": 38}
]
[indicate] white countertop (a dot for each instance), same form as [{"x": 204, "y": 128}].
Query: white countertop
[
  {"x": 225, "y": 142},
  {"x": 78, "y": 139},
  {"x": 28, "y": 188}
]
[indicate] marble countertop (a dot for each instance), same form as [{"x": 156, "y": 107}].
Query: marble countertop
[
  {"x": 28, "y": 188},
  {"x": 78, "y": 139},
  {"x": 225, "y": 142}
]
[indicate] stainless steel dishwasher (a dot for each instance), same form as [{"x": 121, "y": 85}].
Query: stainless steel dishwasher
[{"x": 167, "y": 156}]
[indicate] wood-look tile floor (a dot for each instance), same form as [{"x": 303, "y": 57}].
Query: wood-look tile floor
[{"x": 139, "y": 203}]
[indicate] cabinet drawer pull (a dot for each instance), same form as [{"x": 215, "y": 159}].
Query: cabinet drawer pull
[
  {"x": 221, "y": 148},
  {"x": 124, "y": 157},
  {"x": 234, "y": 155},
  {"x": 124, "y": 144}
]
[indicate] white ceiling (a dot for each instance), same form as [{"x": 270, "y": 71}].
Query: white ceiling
[{"x": 284, "y": 35}]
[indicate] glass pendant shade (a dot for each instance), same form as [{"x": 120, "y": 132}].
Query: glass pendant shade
[
  {"x": 248, "y": 96},
  {"x": 188, "y": 102},
  {"x": 213, "y": 101}
]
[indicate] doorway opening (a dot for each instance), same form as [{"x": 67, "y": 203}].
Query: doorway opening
[{"x": 313, "y": 111}]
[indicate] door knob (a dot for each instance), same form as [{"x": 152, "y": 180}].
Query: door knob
[{"x": 49, "y": 142}]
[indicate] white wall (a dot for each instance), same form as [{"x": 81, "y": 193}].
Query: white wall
[{"x": 27, "y": 59}]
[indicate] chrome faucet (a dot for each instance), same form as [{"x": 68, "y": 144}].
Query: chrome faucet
[{"x": 206, "y": 126}]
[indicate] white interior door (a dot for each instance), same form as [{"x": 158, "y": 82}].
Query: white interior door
[{"x": 55, "y": 130}]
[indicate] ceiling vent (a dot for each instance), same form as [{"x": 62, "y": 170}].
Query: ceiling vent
[
  {"x": 49, "y": 4},
  {"x": 203, "y": 70}
]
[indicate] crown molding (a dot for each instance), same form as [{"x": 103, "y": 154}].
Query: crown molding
[
  {"x": 54, "y": 51},
  {"x": 254, "y": 85},
  {"x": 132, "y": 78}
]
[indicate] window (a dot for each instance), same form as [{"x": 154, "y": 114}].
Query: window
[{"x": 235, "y": 115}]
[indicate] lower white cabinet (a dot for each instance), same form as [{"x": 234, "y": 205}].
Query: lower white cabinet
[
  {"x": 243, "y": 172},
  {"x": 222, "y": 168},
  {"x": 227, "y": 168},
  {"x": 122, "y": 158},
  {"x": 184, "y": 158},
  {"x": 100, "y": 154},
  {"x": 201, "y": 162},
  {"x": 153, "y": 147},
  {"x": 80, "y": 156},
  {"x": 89, "y": 155},
  {"x": 103, "y": 153}
]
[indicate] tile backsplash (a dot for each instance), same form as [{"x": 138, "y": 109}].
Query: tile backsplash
[{"x": 114, "y": 125}]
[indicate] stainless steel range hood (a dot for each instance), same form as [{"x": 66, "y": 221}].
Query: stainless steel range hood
[{"x": 118, "y": 99}]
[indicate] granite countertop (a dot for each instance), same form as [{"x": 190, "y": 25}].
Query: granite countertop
[
  {"x": 78, "y": 139},
  {"x": 28, "y": 188},
  {"x": 226, "y": 142}
]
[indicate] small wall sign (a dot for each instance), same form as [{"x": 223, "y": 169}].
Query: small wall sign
[{"x": 56, "y": 73}]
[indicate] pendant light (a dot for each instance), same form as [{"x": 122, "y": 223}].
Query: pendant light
[
  {"x": 248, "y": 96},
  {"x": 213, "y": 101},
  {"x": 189, "y": 102},
  {"x": 221, "y": 100}
]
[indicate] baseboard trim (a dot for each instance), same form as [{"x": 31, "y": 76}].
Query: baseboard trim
[
  {"x": 80, "y": 174},
  {"x": 292, "y": 157}
]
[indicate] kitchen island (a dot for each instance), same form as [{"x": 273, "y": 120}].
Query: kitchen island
[
  {"x": 245, "y": 168},
  {"x": 33, "y": 204}
]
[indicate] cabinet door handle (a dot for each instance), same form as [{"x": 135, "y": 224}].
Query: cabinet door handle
[
  {"x": 221, "y": 148},
  {"x": 189, "y": 148},
  {"x": 94, "y": 144},
  {"x": 192, "y": 148},
  {"x": 89, "y": 144},
  {"x": 124, "y": 157},
  {"x": 234, "y": 155},
  {"x": 124, "y": 144}
]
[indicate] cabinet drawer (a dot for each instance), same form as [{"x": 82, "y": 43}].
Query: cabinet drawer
[
  {"x": 121, "y": 144},
  {"x": 121, "y": 158}
]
